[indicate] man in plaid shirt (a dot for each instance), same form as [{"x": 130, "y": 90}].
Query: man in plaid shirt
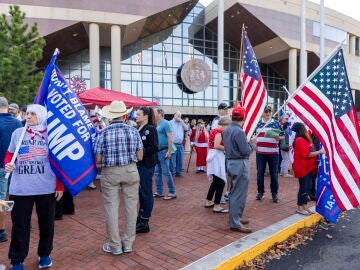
[{"x": 117, "y": 149}]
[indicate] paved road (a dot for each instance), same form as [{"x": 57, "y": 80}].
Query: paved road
[{"x": 340, "y": 253}]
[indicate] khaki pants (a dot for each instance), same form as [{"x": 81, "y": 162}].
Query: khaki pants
[{"x": 126, "y": 177}]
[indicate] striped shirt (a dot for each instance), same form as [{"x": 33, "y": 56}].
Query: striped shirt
[
  {"x": 118, "y": 144},
  {"x": 267, "y": 145}
]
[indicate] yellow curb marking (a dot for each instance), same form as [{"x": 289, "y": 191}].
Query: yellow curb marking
[{"x": 261, "y": 247}]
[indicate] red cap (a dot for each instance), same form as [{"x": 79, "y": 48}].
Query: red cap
[{"x": 238, "y": 113}]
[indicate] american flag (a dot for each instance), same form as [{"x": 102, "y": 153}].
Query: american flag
[
  {"x": 324, "y": 102},
  {"x": 28, "y": 152},
  {"x": 254, "y": 95}
]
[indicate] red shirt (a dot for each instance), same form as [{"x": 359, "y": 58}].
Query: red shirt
[
  {"x": 212, "y": 138},
  {"x": 302, "y": 164}
]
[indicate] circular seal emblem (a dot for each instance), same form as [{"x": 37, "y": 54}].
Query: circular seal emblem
[{"x": 196, "y": 75}]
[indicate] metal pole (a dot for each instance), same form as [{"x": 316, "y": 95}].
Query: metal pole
[
  {"x": 220, "y": 50},
  {"x": 239, "y": 99},
  {"x": 303, "y": 63},
  {"x": 322, "y": 32}
]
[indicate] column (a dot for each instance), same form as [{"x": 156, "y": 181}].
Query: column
[
  {"x": 352, "y": 46},
  {"x": 292, "y": 69},
  {"x": 94, "y": 50},
  {"x": 116, "y": 57},
  {"x": 220, "y": 48}
]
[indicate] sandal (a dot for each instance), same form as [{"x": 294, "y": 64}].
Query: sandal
[
  {"x": 170, "y": 197},
  {"x": 221, "y": 210},
  {"x": 306, "y": 213},
  {"x": 157, "y": 195}
]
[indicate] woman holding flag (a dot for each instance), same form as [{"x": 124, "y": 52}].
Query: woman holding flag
[
  {"x": 32, "y": 182},
  {"x": 304, "y": 164}
]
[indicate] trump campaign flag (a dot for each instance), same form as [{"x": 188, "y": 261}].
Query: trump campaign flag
[
  {"x": 325, "y": 201},
  {"x": 254, "y": 94},
  {"x": 324, "y": 102},
  {"x": 70, "y": 131}
]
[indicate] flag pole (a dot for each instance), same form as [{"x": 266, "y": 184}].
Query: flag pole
[
  {"x": 239, "y": 67},
  {"x": 22, "y": 135}
]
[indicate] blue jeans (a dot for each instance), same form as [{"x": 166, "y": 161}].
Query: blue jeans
[
  {"x": 3, "y": 184},
  {"x": 177, "y": 160},
  {"x": 305, "y": 184},
  {"x": 145, "y": 191},
  {"x": 162, "y": 169},
  {"x": 273, "y": 161}
]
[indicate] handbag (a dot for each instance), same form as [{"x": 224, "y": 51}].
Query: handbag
[{"x": 284, "y": 144}]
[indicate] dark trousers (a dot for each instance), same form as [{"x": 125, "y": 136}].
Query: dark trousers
[
  {"x": 145, "y": 191},
  {"x": 305, "y": 184},
  {"x": 65, "y": 205},
  {"x": 21, "y": 220},
  {"x": 273, "y": 161},
  {"x": 217, "y": 188}
]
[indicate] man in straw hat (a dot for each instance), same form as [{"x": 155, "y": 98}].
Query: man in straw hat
[{"x": 117, "y": 148}]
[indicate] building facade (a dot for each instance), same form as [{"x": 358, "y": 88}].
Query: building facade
[{"x": 139, "y": 47}]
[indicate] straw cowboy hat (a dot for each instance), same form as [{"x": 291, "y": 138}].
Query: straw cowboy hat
[{"x": 115, "y": 109}]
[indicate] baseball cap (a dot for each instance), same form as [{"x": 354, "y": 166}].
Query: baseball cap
[
  {"x": 14, "y": 106},
  {"x": 267, "y": 108},
  {"x": 238, "y": 113},
  {"x": 223, "y": 106}
]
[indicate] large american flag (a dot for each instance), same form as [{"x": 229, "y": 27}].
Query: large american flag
[
  {"x": 254, "y": 95},
  {"x": 324, "y": 102},
  {"x": 28, "y": 152}
]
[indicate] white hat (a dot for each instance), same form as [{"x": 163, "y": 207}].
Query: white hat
[
  {"x": 115, "y": 109},
  {"x": 41, "y": 113}
]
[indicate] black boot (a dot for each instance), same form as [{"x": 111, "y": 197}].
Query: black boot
[{"x": 142, "y": 226}]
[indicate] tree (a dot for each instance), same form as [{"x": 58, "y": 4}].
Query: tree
[{"x": 21, "y": 47}]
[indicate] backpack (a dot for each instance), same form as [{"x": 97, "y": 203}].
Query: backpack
[{"x": 284, "y": 144}]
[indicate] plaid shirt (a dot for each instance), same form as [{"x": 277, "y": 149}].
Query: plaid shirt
[{"x": 118, "y": 144}]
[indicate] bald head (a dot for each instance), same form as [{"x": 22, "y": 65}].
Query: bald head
[{"x": 4, "y": 105}]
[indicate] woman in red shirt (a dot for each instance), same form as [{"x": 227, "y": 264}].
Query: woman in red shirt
[{"x": 304, "y": 164}]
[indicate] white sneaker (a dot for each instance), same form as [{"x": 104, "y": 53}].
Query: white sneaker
[
  {"x": 288, "y": 175},
  {"x": 92, "y": 185}
]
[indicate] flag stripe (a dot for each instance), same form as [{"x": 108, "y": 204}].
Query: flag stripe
[
  {"x": 338, "y": 137},
  {"x": 308, "y": 117},
  {"x": 254, "y": 95},
  {"x": 257, "y": 102}
]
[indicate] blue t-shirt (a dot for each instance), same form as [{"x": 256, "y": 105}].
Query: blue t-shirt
[{"x": 163, "y": 127}]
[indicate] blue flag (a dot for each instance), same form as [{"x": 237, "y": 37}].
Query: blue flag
[
  {"x": 325, "y": 201},
  {"x": 70, "y": 131}
]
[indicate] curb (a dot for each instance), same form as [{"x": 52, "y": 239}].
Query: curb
[{"x": 250, "y": 246}]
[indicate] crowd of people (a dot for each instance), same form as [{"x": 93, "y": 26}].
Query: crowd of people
[{"x": 129, "y": 157}]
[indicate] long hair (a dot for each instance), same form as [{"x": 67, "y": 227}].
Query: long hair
[
  {"x": 301, "y": 131},
  {"x": 150, "y": 113}
]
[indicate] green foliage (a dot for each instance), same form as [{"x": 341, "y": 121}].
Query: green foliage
[{"x": 21, "y": 47}]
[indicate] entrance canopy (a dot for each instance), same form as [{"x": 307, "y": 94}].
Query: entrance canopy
[{"x": 101, "y": 96}]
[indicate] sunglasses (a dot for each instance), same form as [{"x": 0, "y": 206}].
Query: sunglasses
[{"x": 267, "y": 111}]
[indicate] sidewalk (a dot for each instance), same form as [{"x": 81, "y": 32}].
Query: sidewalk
[{"x": 182, "y": 230}]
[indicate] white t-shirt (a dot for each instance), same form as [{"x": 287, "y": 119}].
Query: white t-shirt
[{"x": 33, "y": 174}]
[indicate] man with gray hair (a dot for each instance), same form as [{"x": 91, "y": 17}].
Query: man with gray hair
[
  {"x": 14, "y": 110},
  {"x": 7, "y": 125},
  {"x": 178, "y": 128}
]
